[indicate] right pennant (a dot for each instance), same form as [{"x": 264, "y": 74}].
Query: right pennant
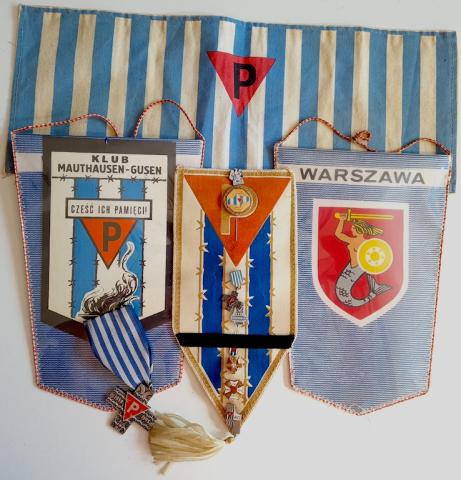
[{"x": 370, "y": 227}]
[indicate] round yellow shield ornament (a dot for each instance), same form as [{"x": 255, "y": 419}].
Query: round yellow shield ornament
[
  {"x": 375, "y": 256},
  {"x": 240, "y": 201}
]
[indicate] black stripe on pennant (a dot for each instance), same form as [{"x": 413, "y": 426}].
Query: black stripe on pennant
[{"x": 234, "y": 340}]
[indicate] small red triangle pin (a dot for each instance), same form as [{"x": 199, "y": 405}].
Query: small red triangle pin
[
  {"x": 133, "y": 407},
  {"x": 108, "y": 235},
  {"x": 241, "y": 76}
]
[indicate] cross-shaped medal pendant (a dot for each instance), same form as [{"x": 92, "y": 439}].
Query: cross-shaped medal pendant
[{"x": 131, "y": 407}]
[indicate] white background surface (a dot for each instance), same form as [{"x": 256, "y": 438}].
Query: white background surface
[{"x": 288, "y": 435}]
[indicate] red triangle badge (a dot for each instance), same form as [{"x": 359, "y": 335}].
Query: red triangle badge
[
  {"x": 133, "y": 407},
  {"x": 108, "y": 235},
  {"x": 209, "y": 192},
  {"x": 241, "y": 76}
]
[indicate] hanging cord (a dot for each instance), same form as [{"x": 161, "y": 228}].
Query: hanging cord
[
  {"x": 181, "y": 109},
  {"x": 360, "y": 138},
  {"x": 408, "y": 145},
  {"x": 68, "y": 122}
]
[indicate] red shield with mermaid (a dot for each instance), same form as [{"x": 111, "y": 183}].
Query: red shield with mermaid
[{"x": 359, "y": 256}]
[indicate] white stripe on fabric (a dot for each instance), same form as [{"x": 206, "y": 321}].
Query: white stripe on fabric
[
  {"x": 121, "y": 349},
  {"x": 190, "y": 73},
  {"x": 428, "y": 92},
  {"x": 359, "y": 119},
  {"x": 97, "y": 345},
  {"x": 188, "y": 161},
  {"x": 29, "y": 162},
  {"x": 135, "y": 334},
  {"x": 154, "y": 77},
  {"x": 61, "y": 232},
  {"x": 44, "y": 85},
  {"x": 256, "y": 108},
  {"x": 326, "y": 100},
  {"x": 108, "y": 276},
  {"x": 119, "y": 73},
  {"x": 281, "y": 265},
  {"x": 190, "y": 293},
  {"x": 394, "y": 86},
  {"x": 120, "y": 372},
  {"x": 82, "y": 72},
  {"x": 222, "y": 104},
  {"x": 292, "y": 83},
  {"x": 134, "y": 353}
]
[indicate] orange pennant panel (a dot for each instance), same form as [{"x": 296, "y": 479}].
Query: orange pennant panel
[
  {"x": 108, "y": 235},
  {"x": 236, "y": 233}
]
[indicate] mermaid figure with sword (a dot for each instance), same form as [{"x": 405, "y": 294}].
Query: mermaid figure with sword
[{"x": 353, "y": 271}]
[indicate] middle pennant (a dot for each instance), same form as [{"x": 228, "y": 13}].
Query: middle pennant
[{"x": 234, "y": 295}]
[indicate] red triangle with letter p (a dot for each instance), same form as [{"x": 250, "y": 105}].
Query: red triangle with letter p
[
  {"x": 108, "y": 235},
  {"x": 133, "y": 407},
  {"x": 241, "y": 76}
]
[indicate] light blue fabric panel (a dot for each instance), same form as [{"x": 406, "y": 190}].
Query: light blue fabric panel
[{"x": 363, "y": 368}]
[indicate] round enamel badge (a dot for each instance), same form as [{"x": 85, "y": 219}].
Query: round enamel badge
[
  {"x": 375, "y": 256},
  {"x": 240, "y": 201}
]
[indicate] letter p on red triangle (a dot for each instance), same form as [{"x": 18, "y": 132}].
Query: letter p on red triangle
[
  {"x": 133, "y": 407},
  {"x": 108, "y": 235},
  {"x": 241, "y": 76}
]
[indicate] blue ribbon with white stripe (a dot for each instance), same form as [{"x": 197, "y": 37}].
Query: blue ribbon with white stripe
[{"x": 120, "y": 343}]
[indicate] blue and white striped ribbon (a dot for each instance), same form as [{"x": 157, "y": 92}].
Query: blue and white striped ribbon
[
  {"x": 236, "y": 278},
  {"x": 120, "y": 343}
]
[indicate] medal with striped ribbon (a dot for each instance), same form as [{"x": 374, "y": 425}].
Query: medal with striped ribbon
[{"x": 119, "y": 342}]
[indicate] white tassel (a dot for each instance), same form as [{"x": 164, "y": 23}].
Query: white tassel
[{"x": 174, "y": 439}]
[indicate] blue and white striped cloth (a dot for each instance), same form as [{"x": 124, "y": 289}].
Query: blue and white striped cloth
[
  {"x": 120, "y": 343},
  {"x": 398, "y": 84}
]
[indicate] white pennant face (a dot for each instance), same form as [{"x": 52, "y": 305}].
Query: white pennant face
[{"x": 108, "y": 211}]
